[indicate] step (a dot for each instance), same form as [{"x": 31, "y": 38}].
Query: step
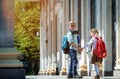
[
  {"x": 10, "y": 63},
  {"x": 8, "y": 53},
  {"x": 12, "y": 73}
]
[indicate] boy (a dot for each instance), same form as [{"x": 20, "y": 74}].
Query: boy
[{"x": 72, "y": 37}]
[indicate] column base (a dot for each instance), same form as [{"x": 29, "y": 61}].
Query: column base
[
  {"x": 116, "y": 73},
  {"x": 117, "y": 69},
  {"x": 108, "y": 73},
  {"x": 48, "y": 72},
  {"x": 40, "y": 72},
  {"x": 82, "y": 73},
  {"x": 83, "y": 70},
  {"x": 63, "y": 71},
  {"x": 12, "y": 73},
  {"x": 53, "y": 71}
]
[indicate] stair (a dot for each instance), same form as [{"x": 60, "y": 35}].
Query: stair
[
  {"x": 9, "y": 58},
  {"x": 10, "y": 63},
  {"x": 10, "y": 66}
]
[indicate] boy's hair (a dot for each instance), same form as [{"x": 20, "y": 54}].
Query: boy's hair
[
  {"x": 71, "y": 22},
  {"x": 95, "y": 31}
]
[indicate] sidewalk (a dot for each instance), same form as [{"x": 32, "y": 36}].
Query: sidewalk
[{"x": 65, "y": 77}]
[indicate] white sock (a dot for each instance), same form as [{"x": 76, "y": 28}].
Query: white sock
[{"x": 96, "y": 69}]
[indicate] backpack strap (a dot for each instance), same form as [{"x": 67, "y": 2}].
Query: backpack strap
[
  {"x": 72, "y": 35},
  {"x": 74, "y": 32},
  {"x": 96, "y": 37}
]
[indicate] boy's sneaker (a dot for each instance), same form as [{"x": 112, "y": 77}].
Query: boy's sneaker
[
  {"x": 77, "y": 76},
  {"x": 70, "y": 76}
]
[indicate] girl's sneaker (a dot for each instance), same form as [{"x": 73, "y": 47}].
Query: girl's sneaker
[{"x": 97, "y": 77}]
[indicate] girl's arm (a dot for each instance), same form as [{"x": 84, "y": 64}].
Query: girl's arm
[{"x": 89, "y": 43}]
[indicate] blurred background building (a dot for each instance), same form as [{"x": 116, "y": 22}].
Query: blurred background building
[{"x": 100, "y": 14}]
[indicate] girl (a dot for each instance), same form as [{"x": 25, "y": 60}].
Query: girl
[{"x": 94, "y": 60}]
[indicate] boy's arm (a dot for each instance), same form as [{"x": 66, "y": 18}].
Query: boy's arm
[{"x": 75, "y": 46}]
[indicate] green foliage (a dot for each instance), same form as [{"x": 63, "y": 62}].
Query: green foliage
[{"x": 27, "y": 20}]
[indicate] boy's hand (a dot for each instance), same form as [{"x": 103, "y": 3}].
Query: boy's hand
[{"x": 79, "y": 50}]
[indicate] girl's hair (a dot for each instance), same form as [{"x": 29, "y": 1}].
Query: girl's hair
[{"x": 95, "y": 31}]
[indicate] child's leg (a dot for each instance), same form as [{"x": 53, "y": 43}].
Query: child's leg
[{"x": 96, "y": 68}]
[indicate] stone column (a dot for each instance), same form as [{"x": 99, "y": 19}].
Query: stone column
[
  {"x": 87, "y": 37},
  {"x": 45, "y": 37},
  {"x": 117, "y": 67},
  {"x": 6, "y": 24},
  {"x": 8, "y": 54},
  {"x": 44, "y": 56},
  {"x": 98, "y": 10},
  {"x": 81, "y": 62},
  {"x": 66, "y": 29},
  {"x": 104, "y": 26},
  {"x": 64, "y": 68},
  {"x": 83, "y": 13},
  {"x": 72, "y": 10},
  {"x": 54, "y": 41},
  {"x": 59, "y": 46},
  {"x": 55, "y": 44},
  {"x": 49, "y": 24},
  {"x": 51, "y": 34},
  {"x": 76, "y": 12},
  {"x": 100, "y": 18},
  {"x": 59, "y": 11},
  {"x": 46, "y": 44},
  {"x": 41, "y": 49},
  {"x": 49, "y": 48},
  {"x": 85, "y": 28},
  {"x": 108, "y": 61},
  {"x": 40, "y": 71}
]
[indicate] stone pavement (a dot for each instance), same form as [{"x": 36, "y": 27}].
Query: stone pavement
[{"x": 65, "y": 77}]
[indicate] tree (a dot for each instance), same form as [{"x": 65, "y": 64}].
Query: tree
[{"x": 27, "y": 25}]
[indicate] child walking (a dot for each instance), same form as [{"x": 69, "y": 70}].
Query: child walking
[{"x": 94, "y": 60}]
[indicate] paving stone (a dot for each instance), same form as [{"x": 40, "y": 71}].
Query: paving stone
[{"x": 65, "y": 77}]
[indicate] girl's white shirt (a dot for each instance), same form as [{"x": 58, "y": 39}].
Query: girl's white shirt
[{"x": 92, "y": 42}]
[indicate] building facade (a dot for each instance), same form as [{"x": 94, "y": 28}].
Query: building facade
[{"x": 54, "y": 17}]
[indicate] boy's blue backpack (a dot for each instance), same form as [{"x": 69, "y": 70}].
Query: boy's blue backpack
[{"x": 65, "y": 45}]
